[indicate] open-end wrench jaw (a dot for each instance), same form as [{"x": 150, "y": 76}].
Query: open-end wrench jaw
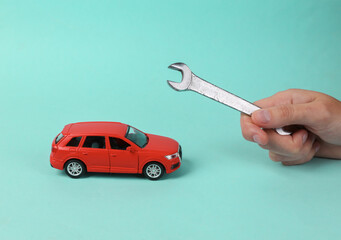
[
  {"x": 192, "y": 82},
  {"x": 186, "y": 77}
]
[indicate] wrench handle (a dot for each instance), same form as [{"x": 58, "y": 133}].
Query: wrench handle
[
  {"x": 229, "y": 99},
  {"x": 220, "y": 95}
]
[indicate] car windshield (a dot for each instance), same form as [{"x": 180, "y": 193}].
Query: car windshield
[{"x": 137, "y": 137}]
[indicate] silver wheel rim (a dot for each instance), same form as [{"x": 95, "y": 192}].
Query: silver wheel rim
[
  {"x": 74, "y": 169},
  {"x": 153, "y": 171}
]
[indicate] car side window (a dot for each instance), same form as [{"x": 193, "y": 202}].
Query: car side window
[
  {"x": 94, "y": 142},
  {"x": 117, "y": 143},
  {"x": 74, "y": 142}
]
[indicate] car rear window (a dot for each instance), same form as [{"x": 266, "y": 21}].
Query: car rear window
[
  {"x": 59, "y": 137},
  {"x": 74, "y": 142}
]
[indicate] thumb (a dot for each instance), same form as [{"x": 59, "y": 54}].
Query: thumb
[{"x": 283, "y": 115}]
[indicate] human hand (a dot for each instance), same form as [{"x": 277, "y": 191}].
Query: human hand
[{"x": 318, "y": 113}]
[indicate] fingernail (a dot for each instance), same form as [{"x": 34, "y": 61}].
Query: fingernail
[
  {"x": 256, "y": 139},
  {"x": 304, "y": 137},
  {"x": 263, "y": 116},
  {"x": 317, "y": 147}
]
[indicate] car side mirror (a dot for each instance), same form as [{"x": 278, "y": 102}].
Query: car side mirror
[{"x": 131, "y": 149}]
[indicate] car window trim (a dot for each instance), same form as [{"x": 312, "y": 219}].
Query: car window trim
[
  {"x": 72, "y": 137},
  {"x": 81, "y": 144},
  {"x": 123, "y": 139}
]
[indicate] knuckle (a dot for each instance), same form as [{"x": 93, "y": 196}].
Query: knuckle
[
  {"x": 324, "y": 112},
  {"x": 291, "y": 163},
  {"x": 266, "y": 147},
  {"x": 275, "y": 157},
  {"x": 299, "y": 151},
  {"x": 288, "y": 163},
  {"x": 243, "y": 120},
  {"x": 285, "y": 92},
  {"x": 285, "y": 112},
  {"x": 295, "y": 149},
  {"x": 280, "y": 93},
  {"x": 292, "y": 90},
  {"x": 246, "y": 134}
]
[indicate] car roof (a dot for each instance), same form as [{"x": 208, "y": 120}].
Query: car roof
[{"x": 115, "y": 128}]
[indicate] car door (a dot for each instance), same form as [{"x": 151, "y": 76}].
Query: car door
[
  {"x": 122, "y": 160},
  {"x": 95, "y": 154}
]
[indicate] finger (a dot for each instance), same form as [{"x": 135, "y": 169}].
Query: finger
[
  {"x": 308, "y": 158},
  {"x": 290, "y": 96},
  {"x": 303, "y": 155},
  {"x": 284, "y": 115},
  {"x": 286, "y": 145},
  {"x": 307, "y": 146},
  {"x": 273, "y": 100},
  {"x": 298, "y": 149},
  {"x": 276, "y": 157},
  {"x": 252, "y": 132}
]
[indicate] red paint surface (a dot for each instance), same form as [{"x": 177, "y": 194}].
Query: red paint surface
[{"x": 112, "y": 160}]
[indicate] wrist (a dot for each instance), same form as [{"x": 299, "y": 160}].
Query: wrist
[{"x": 329, "y": 151}]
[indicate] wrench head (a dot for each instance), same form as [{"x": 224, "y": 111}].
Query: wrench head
[{"x": 186, "y": 77}]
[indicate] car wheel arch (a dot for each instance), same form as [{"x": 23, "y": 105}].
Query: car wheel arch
[
  {"x": 153, "y": 161},
  {"x": 77, "y": 159}
]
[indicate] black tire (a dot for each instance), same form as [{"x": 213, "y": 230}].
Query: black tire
[
  {"x": 153, "y": 170},
  {"x": 75, "y": 168}
]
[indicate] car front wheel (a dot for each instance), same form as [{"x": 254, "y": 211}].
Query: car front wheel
[
  {"x": 75, "y": 168},
  {"x": 153, "y": 171}
]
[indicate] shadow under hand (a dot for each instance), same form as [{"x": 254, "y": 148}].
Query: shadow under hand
[{"x": 318, "y": 162}]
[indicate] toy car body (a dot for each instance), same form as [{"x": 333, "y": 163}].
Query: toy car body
[{"x": 113, "y": 147}]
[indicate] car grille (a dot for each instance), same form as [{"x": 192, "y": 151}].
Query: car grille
[
  {"x": 175, "y": 165},
  {"x": 180, "y": 151}
]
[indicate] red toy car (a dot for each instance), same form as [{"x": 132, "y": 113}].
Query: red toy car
[{"x": 113, "y": 147}]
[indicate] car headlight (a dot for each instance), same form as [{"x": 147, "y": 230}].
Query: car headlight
[{"x": 172, "y": 156}]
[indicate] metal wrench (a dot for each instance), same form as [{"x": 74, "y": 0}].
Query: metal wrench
[{"x": 192, "y": 82}]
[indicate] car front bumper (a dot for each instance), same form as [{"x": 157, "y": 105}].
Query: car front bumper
[{"x": 173, "y": 165}]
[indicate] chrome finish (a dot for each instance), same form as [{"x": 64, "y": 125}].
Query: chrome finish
[
  {"x": 153, "y": 171},
  {"x": 194, "y": 83},
  {"x": 74, "y": 169}
]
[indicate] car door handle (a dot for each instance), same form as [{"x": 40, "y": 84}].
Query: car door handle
[
  {"x": 113, "y": 155},
  {"x": 84, "y": 153}
]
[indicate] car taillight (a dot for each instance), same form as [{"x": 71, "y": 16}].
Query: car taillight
[{"x": 54, "y": 148}]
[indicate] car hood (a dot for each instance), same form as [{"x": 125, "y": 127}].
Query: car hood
[{"x": 160, "y": 143}]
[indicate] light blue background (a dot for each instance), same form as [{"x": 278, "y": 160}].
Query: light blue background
[{"x": 69, "y": 61}]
